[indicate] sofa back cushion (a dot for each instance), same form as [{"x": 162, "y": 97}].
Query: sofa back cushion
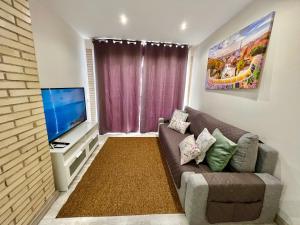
[
  {"x": 244, "y": 160},
  {"x": 200, "y": 120},
  {"x": 193, "y": 118}
]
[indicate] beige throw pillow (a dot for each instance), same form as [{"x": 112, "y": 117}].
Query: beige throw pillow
[
  {"x": 179, "y": 126},
  {"x": 179, "y": 115},
  {"x": 204, "y": 141},
  {"x": 189, "y": 150}
]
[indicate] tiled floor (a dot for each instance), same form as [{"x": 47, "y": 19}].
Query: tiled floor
[{"x": 50, "y": 217}]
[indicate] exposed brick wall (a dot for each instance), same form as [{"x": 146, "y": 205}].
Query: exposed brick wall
[
  {"x": 91, "y": 83},
  {"x": 26, "y": 180}
]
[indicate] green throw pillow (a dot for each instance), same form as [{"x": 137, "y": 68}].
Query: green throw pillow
[{"x": 220, "y": 152}]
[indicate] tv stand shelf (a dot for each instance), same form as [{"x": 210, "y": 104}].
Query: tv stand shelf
[{"x": 68, "y": 161}]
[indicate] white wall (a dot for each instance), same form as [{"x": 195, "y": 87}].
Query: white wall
[
  {"x": 60, "y": 50},
  {"x": 273, "y": 110}
]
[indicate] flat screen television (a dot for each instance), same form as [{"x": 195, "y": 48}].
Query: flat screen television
[{"x": 64, "y": 108}]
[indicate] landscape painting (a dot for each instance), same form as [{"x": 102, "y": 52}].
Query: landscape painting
[{"x": 237, "y": 62}]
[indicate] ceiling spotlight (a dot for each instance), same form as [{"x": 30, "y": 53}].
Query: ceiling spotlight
[
  {"x": 183, "y": 26},
  {"x": 123, "y": 19}
]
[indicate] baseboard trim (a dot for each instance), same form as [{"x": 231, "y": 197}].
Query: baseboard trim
[
  {"x": 42, "y": 212},
  {"x": 280, "y": 221}
]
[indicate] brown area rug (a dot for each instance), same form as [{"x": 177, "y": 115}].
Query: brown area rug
[{"x": 127, "y": 177}]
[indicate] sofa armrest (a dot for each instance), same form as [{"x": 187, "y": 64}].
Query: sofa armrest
[
  {"x": 271, "y": 199},
  {"x": 196, "y": 200},
  {"x": 163, "y": 120},
  {"x": 266, "y": 159},
  {"x": 197, "y": 194}
]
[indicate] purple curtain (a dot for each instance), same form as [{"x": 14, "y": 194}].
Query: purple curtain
[
  {"x": 118, "y": 69},
  {"x": 164, "y": 73}
]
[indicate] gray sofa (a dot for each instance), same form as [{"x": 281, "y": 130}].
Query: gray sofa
[{"x": 227, "y": 197}]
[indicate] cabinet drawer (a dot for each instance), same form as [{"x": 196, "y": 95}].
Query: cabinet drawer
[
  {"x": 73, "y": 149},
  {"x": 91, "y": 132},
  {"x": 77, "y": 162},
  {"x": 93, "y": 142}
]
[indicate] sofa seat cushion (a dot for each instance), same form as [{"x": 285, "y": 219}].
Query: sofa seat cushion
[
  {"x": 235, "y": 187},
  {"x": 169, "y": 141},
  {"x": 232, "y": 211},
  {"x": 239, "y": 196}
]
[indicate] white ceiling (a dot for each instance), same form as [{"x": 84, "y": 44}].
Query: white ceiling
[{"x": 155, "y": 20}]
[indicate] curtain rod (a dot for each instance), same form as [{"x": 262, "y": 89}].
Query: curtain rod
[{"x": 143, "y": 42}]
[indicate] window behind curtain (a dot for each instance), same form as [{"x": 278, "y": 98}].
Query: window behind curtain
[
  {"x": 119, "y": 79},
  {"x": 118, "y": 67},
  {"x": 164, "y": 74}
]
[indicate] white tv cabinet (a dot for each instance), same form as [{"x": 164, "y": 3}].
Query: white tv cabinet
[{"x": 68, "y": 161}]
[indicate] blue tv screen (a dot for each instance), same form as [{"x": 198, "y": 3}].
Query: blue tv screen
[{"x": 64, "y": 109}]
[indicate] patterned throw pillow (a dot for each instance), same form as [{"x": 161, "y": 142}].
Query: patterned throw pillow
[
  {"x": 204, "y": 141},
  {"x": 189, "y": 150},
  {"x": 179, "y": 126},
  {"x": 180, "y": 115}
]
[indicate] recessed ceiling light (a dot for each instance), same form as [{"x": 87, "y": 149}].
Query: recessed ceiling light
[
  {"x": 183, "y": 25},
  {"x": 123, "y": 19}
]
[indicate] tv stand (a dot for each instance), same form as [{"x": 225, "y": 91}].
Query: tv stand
[{"x": 67, "y": 161}]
